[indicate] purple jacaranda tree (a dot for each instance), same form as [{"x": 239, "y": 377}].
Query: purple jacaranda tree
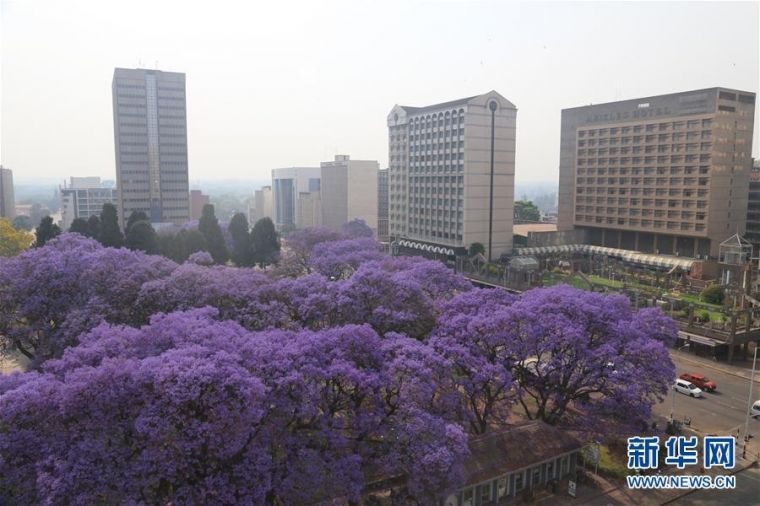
[
  {"x": 229, "y": 289},
  {"x": 50, "y": 295},
  {"x": 436, "y": 280},
  {"x": 297, "y": 249},
  {"x": 575, "y": 357},
  {"x": 356, "y": 229},
  {"x": 472, "y": 333},
  {"x": 191, "y": 410},
  {"x": 388, "y": 301},
  {"x": 339, "y": 259}
]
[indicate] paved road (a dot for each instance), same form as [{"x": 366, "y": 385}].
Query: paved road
[
  {"x": 746, "y": 493},
  {"x": 719, "y": 412}
]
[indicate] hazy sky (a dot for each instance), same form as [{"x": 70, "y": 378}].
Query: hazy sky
[{"x": 272, "y": 84}]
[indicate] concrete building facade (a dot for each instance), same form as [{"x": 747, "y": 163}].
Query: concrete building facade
[
  {"x": 83, "y": 197},
  {"x": 440, "y": 175},
  {"x": 309, "y": 209},
  {"x": 667, "y": 174},
  {"x": 752, "y": 233},
  {"x": 7, "y": 195},
  {"x": 349, "y": 192},
  {"x": 287, "y": 184},
  {"x": 382, "y": 204},
  {"x": 197, "y": 201},
  {"x": 150, "y": 137},
  {"x": 263, "y": 203}
]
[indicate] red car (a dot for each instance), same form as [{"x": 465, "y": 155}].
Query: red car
[{"x": 700, "y": 380}]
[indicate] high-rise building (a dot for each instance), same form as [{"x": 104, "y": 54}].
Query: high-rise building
[
  {"x": 82, "y": 198},
  {"x": 752, "y": 233},
  {"x": 287, "y": 184},
  {"x": 197, "y": 201},
  {"x": 451, "y": 175},
  {"x": 309, "y": 209},
  {"x": 382, "y": 204},
  {"x": 349, "y": 192},
  {"x": 7, "y": 199},
  {"x": 263, "y": 204},
  {"x": 150, "y": 135},
  {"x": 667, "y": 174}
]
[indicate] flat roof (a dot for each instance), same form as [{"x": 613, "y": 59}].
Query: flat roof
[{"x": 524, "y": 228}]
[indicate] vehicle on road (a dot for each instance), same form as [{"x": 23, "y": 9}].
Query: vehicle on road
[
  {"x": 754, "y": 411},
  {"x": 687, "y": 388},
  {"x": 700, "y": 380}
]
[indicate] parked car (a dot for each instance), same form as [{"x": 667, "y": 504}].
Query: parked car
[
  {"x": 700, "y": 380},
  {"x": 754, "y": 411},
  {"x": 687, "y": 388}
]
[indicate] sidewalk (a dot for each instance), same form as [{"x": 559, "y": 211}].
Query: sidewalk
[{"x": 602, "y": 491}]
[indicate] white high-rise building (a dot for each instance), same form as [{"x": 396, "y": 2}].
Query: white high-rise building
[
  {"x": 349, "y": 192},
  {"x": 82, "y": 198},
  {"x": 262, "y": 205},
  {"x": 150, "y": 136},
  {"x": 451, "y": 176}
]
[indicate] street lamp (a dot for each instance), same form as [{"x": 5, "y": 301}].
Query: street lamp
[
  {"x": 749, "y": 402},
  {"x": 673, "y": 400}
]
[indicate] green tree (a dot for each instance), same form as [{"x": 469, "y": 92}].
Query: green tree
[
  {"x": 13, "y": 240},
  {"x": 46, "y": 231},
  {"x": 23, "y": 222},
  {"x": 525, "y": 210},
  {"x": 266, "y": 243},
  {"x": 79, "y": 226},
  {"x": 110, "y": 233},
  {"x": 242, "y": 243},
  {"x": 477, "y": 248},
  {"x": 208, "y": 225},
  {"x": 141, "y": 236},
  {"x": 93, "y": 226},
  {"x": 134, "y": 218},
  {"x": 712, "y": 294}
]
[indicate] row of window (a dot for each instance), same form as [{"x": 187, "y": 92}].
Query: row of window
[
  {"x": 657, "y": 213},
  {"x": 646, "y": 181},
  {"x": 645, "y": 159},
  {"x": 632, "y": 222},
  {"x": 650, "y": 127},
  {"x": 646, "y": 171},
  {"x": 692, "y": 147}
]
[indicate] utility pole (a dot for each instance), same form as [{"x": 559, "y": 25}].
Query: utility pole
[{"x": 749, "y": 402}]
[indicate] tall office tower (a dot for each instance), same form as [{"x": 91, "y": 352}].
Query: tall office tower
[
  {"x": 382, "y": 204},
  {"x": 752, "y": 233},
  {"x": 82, "y": 198},
  {"x": 309, "y": 210},
  {"x": 150, "y": 134},
  {"x": 263, "y": 204},
  {"x": 349, "y": 192},
  {"x": 666, "y": 174},
  {"x": 287, "y": 184},
  {"x": 451, "y": 176},
  {"x": 7, "y": 199}
]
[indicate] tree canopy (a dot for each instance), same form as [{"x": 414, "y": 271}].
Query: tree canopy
[
  {"x": 13, "y": 240},
  {"x": 157, "y": 382},
  {"x": 212, "y": 232},
  {"x": 526, "y": 210},
  {"x": 110, "y": 232},
  {"x": 45, "y": 231}
]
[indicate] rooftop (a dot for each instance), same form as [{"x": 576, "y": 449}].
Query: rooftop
[{"x": 506, "y": 450}]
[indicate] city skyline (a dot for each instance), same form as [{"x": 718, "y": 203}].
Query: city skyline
[{"x": 521, "y": 49}]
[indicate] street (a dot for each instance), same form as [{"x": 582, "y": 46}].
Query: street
[
  {"x": 721, "y": 412},
  {"x": 747, "y": 492}
]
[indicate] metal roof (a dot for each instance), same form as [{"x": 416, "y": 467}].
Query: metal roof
[{"x": 634, "y": 257}]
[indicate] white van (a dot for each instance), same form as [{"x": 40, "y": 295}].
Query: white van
[
  {"x": 754, "y": 411},
  {"x": 687, "y": 388}
]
